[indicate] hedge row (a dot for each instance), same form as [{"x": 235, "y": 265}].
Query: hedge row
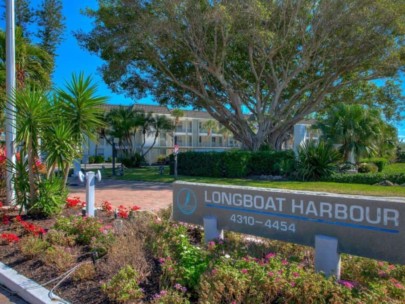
[
  {"x": 401, "y": 157},
  {"x": 234, "y": 163},
  {"x": 366, "y": 178}
]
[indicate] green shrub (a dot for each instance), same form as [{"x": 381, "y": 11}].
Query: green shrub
[
  {"x": 51, "y": 198},
  {"x": 367, "y": 168},
  {"x": 32, "y": 246},
  {"x": 133, "y": 161},
  {"x": 365, "y": 178},
  {"x": 381, "y": 163},
  {"x": 316, "y": 160},
  {"x": 123, "y": 287},
  {"x": 170, "y": 297},
  {"x": 85, "y": 229},
  {"x": 61, "y": 238},
  {"x": 401, "y": 157},
  {"x": 59, "y": 257},
  {"x": 233, "y": 163}
]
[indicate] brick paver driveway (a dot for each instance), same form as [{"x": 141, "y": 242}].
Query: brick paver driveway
[{"x": 149, "y": 196}]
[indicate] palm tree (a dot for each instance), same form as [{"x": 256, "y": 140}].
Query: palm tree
[
  {"x": 177, "y": 114},
  {"x": 33, "y": 112},
  {"x": 122, "y": 124},
  {"x": 82, "y": 108},
  {"x": 354, "y": 127},
  {"x": 153, "y": 125},
  {"x": 211, "y": 126},
  {"x": 33, "y": 66},
  {"x": 225, "y": 134}
]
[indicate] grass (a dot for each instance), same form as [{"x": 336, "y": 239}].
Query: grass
[
  {"x": 395, "y": 168},
  {"x": 151, "y": 174}
]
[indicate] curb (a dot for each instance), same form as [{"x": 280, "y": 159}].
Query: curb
[{"x": 26, "y": 288}]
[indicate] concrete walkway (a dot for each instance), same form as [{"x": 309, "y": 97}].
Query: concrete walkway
[{"x": 147, "y": 195}]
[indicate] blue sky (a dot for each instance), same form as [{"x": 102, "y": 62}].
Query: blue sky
[{"x": 71, "y": 58}]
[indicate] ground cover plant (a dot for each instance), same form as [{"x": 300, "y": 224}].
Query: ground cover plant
[{"x": 130, "y": 256}]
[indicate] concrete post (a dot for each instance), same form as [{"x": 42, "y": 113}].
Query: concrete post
[
  {"x": 327, "y": 259},
  {"x": 90, "y": 197},
  {"x": 211, "y": 231}
]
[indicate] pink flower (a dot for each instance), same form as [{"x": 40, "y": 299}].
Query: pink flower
[
  {"x": 214, "y": 272},
  {"x": 284, "y": 262},
  {"x": 244, "y": 271},
  {"x": 270, "y": 273},
  {"x": 296, "y": 274},
  {"x": 346, "y": 284},
  {"x": 292, "y": 284},
  {"x": 270, "y": 255}
]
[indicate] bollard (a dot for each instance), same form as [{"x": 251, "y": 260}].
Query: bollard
[
  {"x": 327, "y": 259},
  {"x": 90, "y": 185},
  {"x": 90, "y": 178},
  {"x": 211, "y": 231}
]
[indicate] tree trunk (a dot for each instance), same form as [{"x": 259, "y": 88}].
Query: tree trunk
[{"x": 31, "y": 174}]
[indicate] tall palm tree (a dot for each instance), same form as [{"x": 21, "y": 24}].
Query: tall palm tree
[
  {"x": 211, "y": 126},
  {"x": 33, "y": 66},
  {"x": 33, "y": 114},
  {"x": 225, "y": 134},
  {"x": 177, "y": 114},
  {"x": 122, "y": 124},
  {"x": 83, "y": 108},
  {"x": 150, "y": 124},
  {"x": 354, "y": 127}
]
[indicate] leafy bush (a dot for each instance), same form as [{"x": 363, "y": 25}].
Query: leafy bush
[
  {"x": 85, "y": 229},
  {"x": 170, "y": 297},
  {"x": 60, "y": 238},
  {"x": 316, "y": 160},
  {"x": 365, "y": 178},
  {"x": 134, "y": 161},
  {"x": 32, "y": 246},
  {"x": 367, "y": 168},
  {"x": 401, "y": 157},
  {"x": 51, "y": 198},
  {"x": 381, "y": 163},
  {"x": 59, "y": 257},
  {"x": 84, "y": 272},
  {"x": 234, "y": 163},
  {"x": 123, "y": 287}
]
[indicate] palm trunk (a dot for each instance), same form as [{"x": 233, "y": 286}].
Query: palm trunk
[{"x": 31, "y": 174}]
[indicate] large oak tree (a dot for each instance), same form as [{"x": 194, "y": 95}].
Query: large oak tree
[{"x": 277, "y": 60}]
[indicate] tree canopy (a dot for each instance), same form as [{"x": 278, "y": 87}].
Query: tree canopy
[{"x": 277, "y": 61}]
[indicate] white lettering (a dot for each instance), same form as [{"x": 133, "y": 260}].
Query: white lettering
[
  {"x": 258, "y": 202},
  {"x": 227, "y": 198},
  {"x": 237, "y": 199},
  {"x": 216, "y": 197},
  {"x": 311, "y": 209},
  {"x": 270, "y": 204},
  {"x": 206, "y": 197},
  {"x": 340, "y": 211},
  {"x": 247, "y": 201},
  {"x": 360, "y": 213},
  {"x": 280, "y": 201},
  {"x": 391, "y": 215},
  {"x": 299, "y": 206},
  {"x": 325, "y": 208}
]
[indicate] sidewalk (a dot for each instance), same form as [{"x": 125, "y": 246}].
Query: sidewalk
[
  {"x": 147, "y": 195},
  {"x": 8, "y": 298}
]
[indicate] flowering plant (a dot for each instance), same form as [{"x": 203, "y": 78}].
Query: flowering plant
[
  {"x": 10, "y": 238},
  {"x": 74, "y": 202},
  {"x": 107, "y": 207}
]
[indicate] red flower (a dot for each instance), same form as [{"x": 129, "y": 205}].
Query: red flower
[
  {"x": 73, "y": 202},
  {"x": 123, "y": 212},
  {"x": 10, "y": 237},
  {"x": 18, "y": 218},
  {"x": 6, "y": 220},
  {"x": 107, "y": 207},
  {"x": 1, "y": 203},
  {"x": 135, "y": 208}
]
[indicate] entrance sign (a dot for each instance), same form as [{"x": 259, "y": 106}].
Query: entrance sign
[{"x": 365, "y": 226}]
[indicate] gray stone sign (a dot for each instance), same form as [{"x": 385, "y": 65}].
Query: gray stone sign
[{"x": 365, "y": 226}]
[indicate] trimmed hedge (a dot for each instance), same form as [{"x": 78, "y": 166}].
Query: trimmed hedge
[
  {"x": 233, "y": 163},
  {"x": 381, "y": 163},
  {"x": 366, "y": 178}
]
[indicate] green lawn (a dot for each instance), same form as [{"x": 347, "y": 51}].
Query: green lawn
[
  {"x": 151, "y": 174},
  {"x": 395, "y": 168}
]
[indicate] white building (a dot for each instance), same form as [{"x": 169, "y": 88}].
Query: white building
[{"x": 189, "y": 135}]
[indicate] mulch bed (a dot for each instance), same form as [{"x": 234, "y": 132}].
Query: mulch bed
[{"x": 88, "y": 291}]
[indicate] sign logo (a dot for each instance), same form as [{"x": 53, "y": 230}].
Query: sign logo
[{"x": 186, "y": 201}]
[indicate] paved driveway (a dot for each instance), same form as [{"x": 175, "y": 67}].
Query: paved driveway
[{"x": 149, "y": 196}]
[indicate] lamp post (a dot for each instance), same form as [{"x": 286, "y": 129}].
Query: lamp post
[{"x": 10, "y": 88}]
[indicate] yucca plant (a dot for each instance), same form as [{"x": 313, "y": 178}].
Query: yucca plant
[{"x": 316, "y": 160}]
